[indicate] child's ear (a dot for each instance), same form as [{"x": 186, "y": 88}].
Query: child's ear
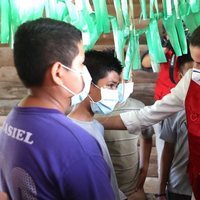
[{"x": 57, "y": 73}]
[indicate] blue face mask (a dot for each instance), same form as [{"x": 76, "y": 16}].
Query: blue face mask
[
  {"x": 77, "y": 98},
  {"x": 109, "y": 99},
  {"x": 124, "y": 90}
]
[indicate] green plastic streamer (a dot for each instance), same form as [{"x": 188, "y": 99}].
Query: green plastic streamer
[
  {"x": 143, "y": 8},
  {"x": 132, "y": 59},
  {"x": 170, "y": 28},
  {"x": 104, "y": 16},
  {"x": 125, "y": 13},
  {"x": 164, "y": 8},
  {"x": 56, "y": 9},
  {"x": 168, "y": 4},
  {"x": 156, "y": 6},
  {"x": 5, "y": 21},
  {"x": 98, "y": 16},
  {"x": 119, "y": 15},
  {"x": 86, "y": 23},
  {"x": 119, "y": 40},
  {"x": 73, "y": 14},
  {"x": 176, "y": 5},
  {"x": 184, "y": 8},
  {"x": 195, "y": 5},
  {"x": 151, "y": 13},
  {"x": 136, "y": 53},
  {"x": 61, "y": 11},
  {"x": 181, "y": 36},
  {"x": 50, "y": 8},
  {"x": 192, "y": 21},
  {"x": 101, "y": 16},
  {"x": 21, "y": 11},
  {"x": 131, "y": 10},
  {"x": 151, "y": 9},
  {"x": 154, "y": 43},
  {"x": 129, "y": 58}
]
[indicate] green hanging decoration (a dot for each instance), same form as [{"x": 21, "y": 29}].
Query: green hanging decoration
[
  {"x": 56, "y": 9},
  {"x": 184, "y": 8},
  {"x": 131, "y": 11},
  {"x": 50, "y": 9},
  {"x": 22, "y": 11},
  {"x": 164, "y": 4},
  {"x": 170, "y": 28},
  {"x": 195, "y": 5},
  {"x": 181, "y": 36},
  {"x": 192, "y": 21},
  {"x": 151, "y": 8},
  {"x": 101, "y": 16},
  {"x": 129, "y": 58},
  {"x": 5, "y": 21},
  {"x": 98, "y": 16},
  {"x": 29, "y": 11},
  {"x": 88, "y": 27},
  {"x": 73, "y": 14},
  {"x": 168, "y": 8},
  {"x": 132, "y": 59},
  {"x": 104, "y": 16},
  {"x": 119, "y": 14},
  {"x": 136, "y": 53},
  {"x": 61, "y": 10},
  {"x": 125, "y": 13},
  {"x": 176, "y": 7},
  {"x": 143, "y": 8},
  {"x": 119, "y": 40},
  {"x": 154, "y": 43}
]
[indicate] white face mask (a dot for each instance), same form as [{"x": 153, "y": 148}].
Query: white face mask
[
  {"x": 196, "y": 75},
  {"x": 124, "y": 90},
  {"x": 77, "y": 98},
  {"x": 109, "y": 99}
]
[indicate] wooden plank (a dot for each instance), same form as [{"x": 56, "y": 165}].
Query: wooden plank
[
  {"x": 6, "y": 55},
  {"x": 9, "y": 74},
  {"x": 144, "y": 92},
  {"x": 144, "y": 86},
  {"x": 140, "y": 76},
  {"x": 12, "y": 90},
  {"x": 6, "y": 106},
  {"x": 153, "y": 166},
  {"x": 2, "y": 119}
]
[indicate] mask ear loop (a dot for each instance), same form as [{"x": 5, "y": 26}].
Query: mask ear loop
[
  {"x": 90, "y": 98},
  {"x": 96, "y": 87}
]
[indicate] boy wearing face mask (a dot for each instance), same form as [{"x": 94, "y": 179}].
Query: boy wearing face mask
[
  {"x": 44, "y": 154},
  {"x": 105, "y": 71}
]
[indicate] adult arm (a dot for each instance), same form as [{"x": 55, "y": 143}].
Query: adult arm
[{"x": 161, "y": 109}]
